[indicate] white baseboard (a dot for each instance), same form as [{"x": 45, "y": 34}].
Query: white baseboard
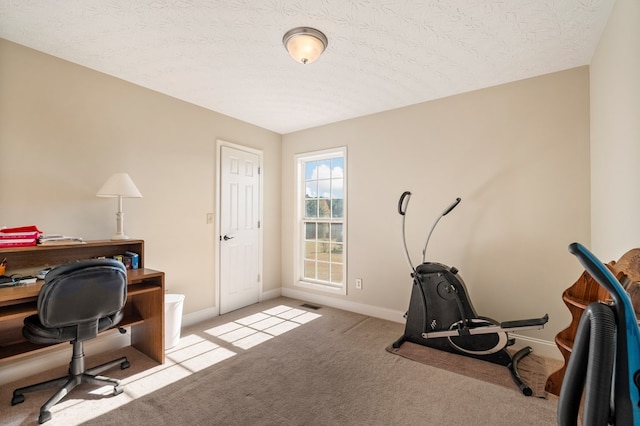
[
  {"x": 271, "y": 294},
  {"x": 359, "y": 308},
  {"x": 540, "y": 347},
  {"x": 199, "y": 316}
]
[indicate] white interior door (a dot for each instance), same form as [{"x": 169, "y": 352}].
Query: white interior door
[{"x": 239, "y": 213}]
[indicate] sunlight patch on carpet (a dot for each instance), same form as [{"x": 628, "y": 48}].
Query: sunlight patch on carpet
[
  {"x": 196, "y": 354},
  {"x": 192, "y": 354},
  {"x": 255, "y": 329}
]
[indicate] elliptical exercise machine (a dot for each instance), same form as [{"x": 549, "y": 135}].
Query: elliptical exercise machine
[{"x": 441, "y": 315}]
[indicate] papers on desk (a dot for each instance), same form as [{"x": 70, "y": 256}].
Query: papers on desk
[
  {"x": 10, "y": 281},
  {"x": 25, "y": 280},
  {"x": 6, "y": 281},
  {"x": 25, "y": 236},
  {"x": 58, "y": 239}
]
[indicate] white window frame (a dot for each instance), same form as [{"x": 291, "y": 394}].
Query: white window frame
[{"x": 298, "y": 245}]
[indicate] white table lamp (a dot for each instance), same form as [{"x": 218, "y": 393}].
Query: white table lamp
[{"x": 119, "y": 185}]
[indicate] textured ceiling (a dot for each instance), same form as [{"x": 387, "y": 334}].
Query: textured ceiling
[{"x": 227, "y": 55}]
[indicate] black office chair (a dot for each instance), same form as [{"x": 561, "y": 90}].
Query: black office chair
[{"x": 76, "y": 302}]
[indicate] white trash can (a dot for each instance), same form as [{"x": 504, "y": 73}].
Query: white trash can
[{"x": 173, "y": 304}]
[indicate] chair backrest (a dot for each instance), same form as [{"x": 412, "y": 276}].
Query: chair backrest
[
  {"x": 626, "y": 398},
  {"x": 82, "y": 292}
]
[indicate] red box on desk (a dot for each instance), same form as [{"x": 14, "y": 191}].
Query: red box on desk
[
  {"x": 10, "y": 238},
  {"x": 17, "y": 243}
]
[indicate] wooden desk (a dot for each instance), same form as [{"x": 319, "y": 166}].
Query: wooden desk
[{"x": 143, "y": 312}]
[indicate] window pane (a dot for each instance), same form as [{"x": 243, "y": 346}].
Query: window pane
[
  {"x": 311, "y": 189},
  {"x": 310, "y": 231},
  {"x": 337, "y": 167},
  {"x": 336, "y": 252},
  {"x": 336, "y": 232},
  {"x": 337, "y": 190},
  {"x": 324, "y": 208},
  {"x": 310, "y": 250},
  {"x": 324, "y": 188},
  {"x": 324, "y": 169},
  {"x": 323, "y": 231},
  {"x": 311, "y": 208},
  {"x": 337, "y": 209},
  {"x": 310, "y": 170},
  {"x": 323, "y": 271},
  {"x": 309, "y": 269},
  {"x": 323, "y": 250},
  {"x": 336, "y": 273}
]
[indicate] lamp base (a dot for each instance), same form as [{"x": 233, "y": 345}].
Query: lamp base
[{"x": 120, "y": 237}]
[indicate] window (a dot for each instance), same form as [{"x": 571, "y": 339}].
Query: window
[{"x": 321, "y": 204}]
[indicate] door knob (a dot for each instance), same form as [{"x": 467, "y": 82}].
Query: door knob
[{"x": 227, "y": 238}]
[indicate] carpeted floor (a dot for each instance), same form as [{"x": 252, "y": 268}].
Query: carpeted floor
[{"x": 280, "y": 363}]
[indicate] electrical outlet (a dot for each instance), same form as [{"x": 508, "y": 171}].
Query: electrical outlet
[
  {"x": 359, "y": 283},
  {"x": 209, "y": 218}
]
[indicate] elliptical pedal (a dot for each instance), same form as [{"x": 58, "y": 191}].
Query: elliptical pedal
[{"x": 533, "y": 322}]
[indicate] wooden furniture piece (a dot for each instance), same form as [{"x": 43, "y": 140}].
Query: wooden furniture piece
[
  {"x": 144, "y": 310},
  {"x": 577, "y": 297}
]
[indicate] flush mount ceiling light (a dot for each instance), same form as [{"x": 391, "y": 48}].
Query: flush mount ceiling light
[{"x": 305, "y": 44}]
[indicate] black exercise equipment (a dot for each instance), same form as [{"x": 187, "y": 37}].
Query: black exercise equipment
[
  {"x": 605, "y": 358},
  {"x": 441, "y": 315}
]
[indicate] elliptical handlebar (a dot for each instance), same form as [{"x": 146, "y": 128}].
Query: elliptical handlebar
[
  {"x": 404, "y": 202},
  {"x": 451, "y": 207},
  {"x": 443, "y": 214}
]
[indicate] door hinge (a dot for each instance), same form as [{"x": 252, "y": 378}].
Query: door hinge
[
  {"x": 258, "y": 224},
  {"x": 259, "y": 169},
  {"x": 258, "y": 277}
]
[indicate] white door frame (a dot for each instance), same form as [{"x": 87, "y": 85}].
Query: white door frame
[{"x": 219, "y": 144}]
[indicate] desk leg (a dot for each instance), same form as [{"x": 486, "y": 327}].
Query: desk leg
[{"x": 148, "y": 337}]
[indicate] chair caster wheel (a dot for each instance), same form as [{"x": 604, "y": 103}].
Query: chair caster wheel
[
  {"x": 117, "y": 390},
  {"x": 17, "y": 399},
  {"x": 45, "y": 416},
  {"x": 124, "y": 365}
]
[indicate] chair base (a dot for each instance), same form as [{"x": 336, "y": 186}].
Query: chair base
[{"x": 69, "y": 382}]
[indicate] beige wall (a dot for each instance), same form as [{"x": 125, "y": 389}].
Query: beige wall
[
  {"x": 65, "y": 129},
  {"x": 615, "y": 134},
  {"x": 517, "y": 155}
]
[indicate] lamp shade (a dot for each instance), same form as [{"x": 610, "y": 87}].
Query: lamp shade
[
  {"x": 119, "y": 185},
  {"x": 305, "y": 44}
]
